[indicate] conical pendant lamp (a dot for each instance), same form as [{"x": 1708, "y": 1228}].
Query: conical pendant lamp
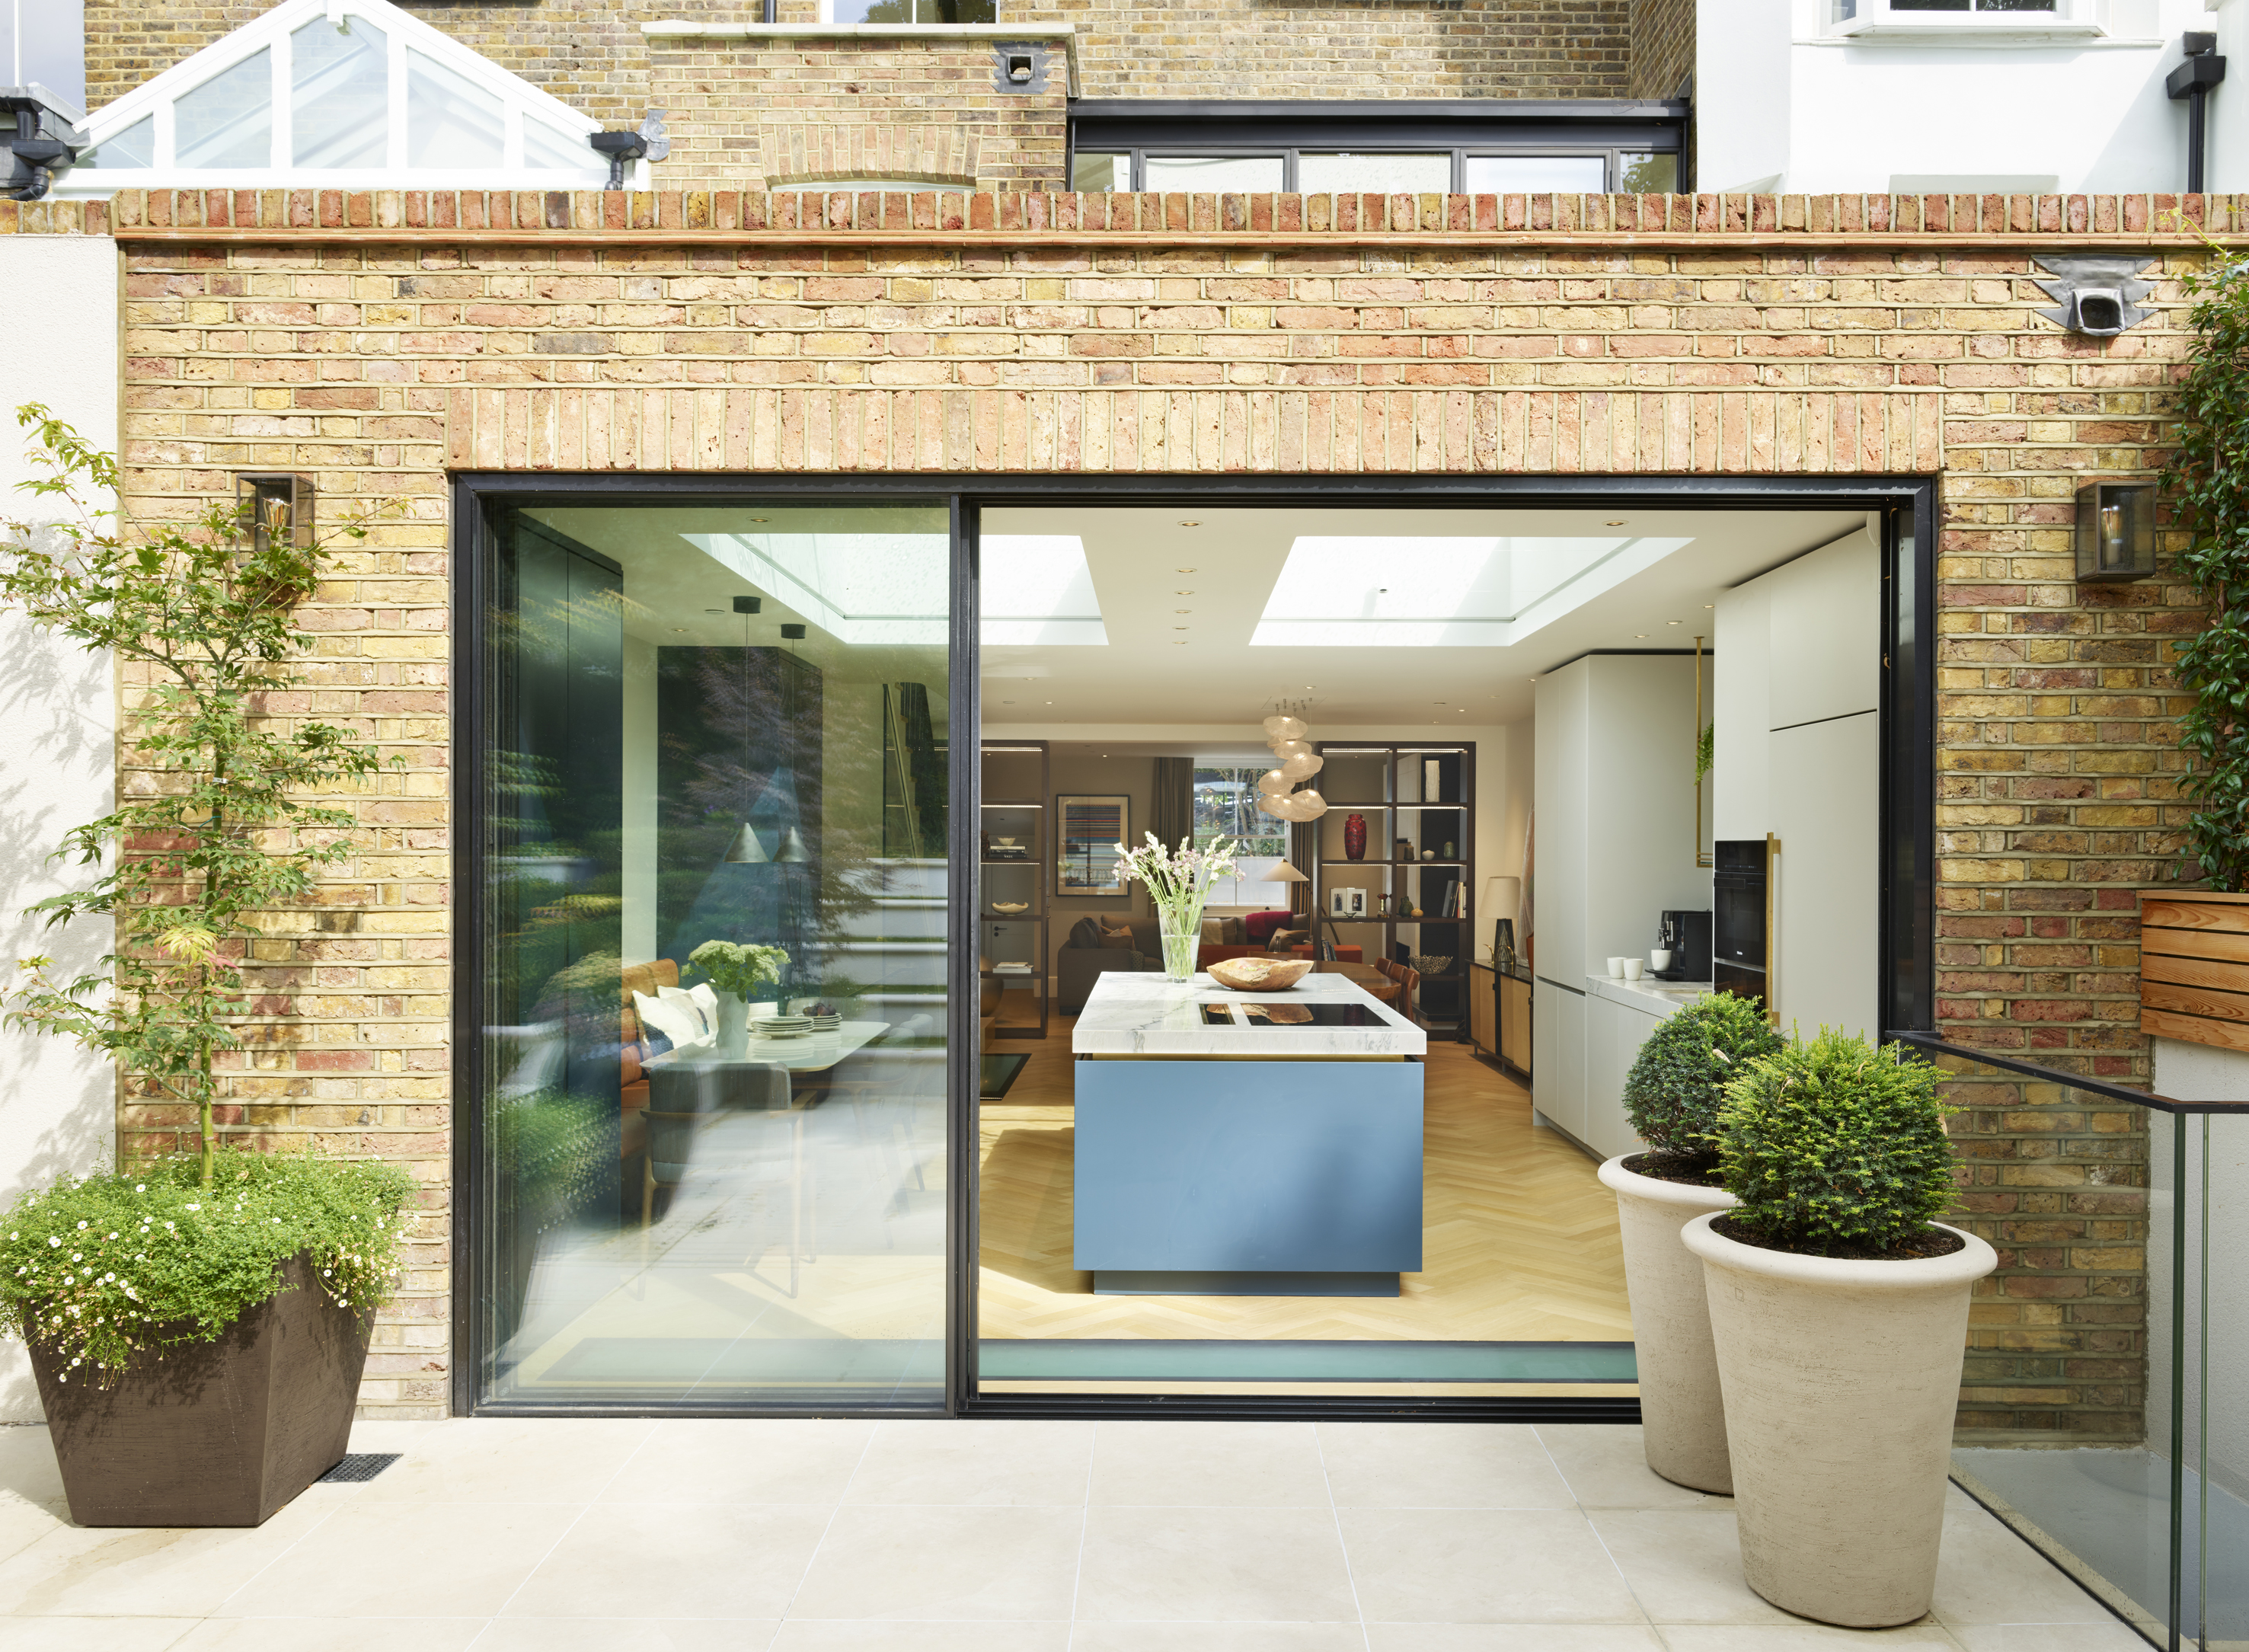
[
  {"x": 792, "y": 851},
  {"x": 746, "y": 850}
]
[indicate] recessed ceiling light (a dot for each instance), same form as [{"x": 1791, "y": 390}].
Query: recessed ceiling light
[
  {"x": 1642, "y": 636},
  {"x": 1006, "y": 702},
  {"x": 1189, "y": 610},
  {"x": 1708, "y": 606},
  {"x": 762, "y": 519},
  {"x": 1616, "y": 524},
  {"x": 679, "y": 631},
  {"x": 1183, "y": 570},
  {"x": 1191, "y": 524},
  {"x": 1183, "y": 593},
  {"x": 1674, "y": 622},
  {"x": 1178, "y": 628}
]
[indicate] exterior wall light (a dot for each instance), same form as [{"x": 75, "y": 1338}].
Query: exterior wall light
[
  {"x": 275, "y": 503},
  {"x": 2096, "y": 291},
  {"x": 2115, "y": 531}
]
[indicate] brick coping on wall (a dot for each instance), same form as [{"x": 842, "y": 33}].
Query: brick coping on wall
[{"x": 1023, "y": 218}]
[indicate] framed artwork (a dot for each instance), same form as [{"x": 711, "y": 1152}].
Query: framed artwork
[
  {"x": 1347, "y": 903},
  {"x": 1087, "y": 831}
]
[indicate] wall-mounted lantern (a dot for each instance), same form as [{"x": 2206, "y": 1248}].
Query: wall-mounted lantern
[
  {"x": 2115, "y": 531},
  {"x": 276, "y": 506}
]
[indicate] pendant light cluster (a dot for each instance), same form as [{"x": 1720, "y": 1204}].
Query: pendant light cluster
[{"x": 1277, "y": 793}]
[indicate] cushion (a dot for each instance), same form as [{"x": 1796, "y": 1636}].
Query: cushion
[
  {"x": 706, "y": 1020},
  {"x": 1261, "y": 925},
  {"x": 1084, "y": 933},
  {"x": 706, "y": 999},
  {"x": 676, "y": 1021},
  {"x": 1233, "y": 933},
  {"x": 1213, "y": 931},
  {"x": 1119, "y": 940}
]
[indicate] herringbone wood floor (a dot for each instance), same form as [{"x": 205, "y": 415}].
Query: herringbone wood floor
[{"x": 1520, "y": 1239}]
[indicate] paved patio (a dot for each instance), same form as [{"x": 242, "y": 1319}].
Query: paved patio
[{"x": 627, "y": 1536}]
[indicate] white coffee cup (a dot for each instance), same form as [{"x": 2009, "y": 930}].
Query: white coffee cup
[
  {"x": 1631, "y": 968},
  {"x": 1616, "y": 968},
  {"x": 1659, "y": 959}
]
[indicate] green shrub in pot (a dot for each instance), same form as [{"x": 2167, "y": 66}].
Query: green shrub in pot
[
  {"x": 1673, "y": 1093},
  {"x": 1839, "y": 1312}
]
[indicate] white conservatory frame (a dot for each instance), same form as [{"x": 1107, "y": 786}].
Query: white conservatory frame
[{"x": 518, "y": 99}]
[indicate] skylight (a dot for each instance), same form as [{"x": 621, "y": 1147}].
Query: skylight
[
  {"x": 1440, "y": 592},
  {"x": 347, "y": 93},
  {"x": 893, "y": 588}
]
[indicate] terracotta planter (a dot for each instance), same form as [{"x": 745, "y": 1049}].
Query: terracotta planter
[
  {"x": 218, "y": 1434},
  {"x": 1841, "y": 1379},
  {"x": 1682, "y": 1413}
]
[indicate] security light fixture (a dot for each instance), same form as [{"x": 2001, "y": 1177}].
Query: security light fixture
[
  {"x": 2095, "y": 291},
  {"x": 2115, "y": 531},
  {"x": 275, "y": 503}
]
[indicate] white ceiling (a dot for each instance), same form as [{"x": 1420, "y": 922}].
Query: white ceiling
[{"x": 1180, "y": 604}]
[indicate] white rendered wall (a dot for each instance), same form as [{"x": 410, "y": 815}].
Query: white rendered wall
[
  {"x": 1781, "y": 107},
  {"x": 2228, "y": 132},
  {"x": 58, "y": 1107}
]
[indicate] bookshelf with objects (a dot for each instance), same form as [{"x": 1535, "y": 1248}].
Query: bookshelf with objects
[
  {"x": 1011, "y": 882},
  {"x": 1404, "y": 895}
]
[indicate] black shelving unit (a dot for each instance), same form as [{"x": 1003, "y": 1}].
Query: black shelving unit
[
  {"x": 1015, "y": 798},
  {"x": 1385, "y": 784}
]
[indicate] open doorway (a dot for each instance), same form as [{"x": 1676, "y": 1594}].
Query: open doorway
[{"x": 1544, "y": 737}]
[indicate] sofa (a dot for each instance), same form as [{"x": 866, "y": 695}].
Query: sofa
[
  {"x": 1082, "y": 959},
  {"x": 633, "y": 1051}
]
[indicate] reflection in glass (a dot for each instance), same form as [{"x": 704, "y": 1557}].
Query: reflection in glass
[
  {"x": 1100, "y": 174},
  {"x": 338, "y": 95},
  {"x": 691, "y": 1195},
  {"x": 923, "y": 11},
  {"x": 1385, "y": 173},
  {"x": 1536, "y": 174},
  {"x": 451, "y": 123},
  {"x": 134, "y": 147},
  {"x": 1648, "y": 173},
  {"x": 550, "y": 148},
  {"x": 227, "y": 120},
  {"x": 1211, "y": 174}
]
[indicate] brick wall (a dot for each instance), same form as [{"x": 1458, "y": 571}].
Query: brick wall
[
  {"x": 1662, "y": 47},
  {"x": 763, "y": 113},
  {"x": 379, "y": 341},
  {"x": 590, "y": 53}
]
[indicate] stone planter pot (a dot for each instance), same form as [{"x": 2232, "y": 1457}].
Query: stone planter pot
[
  {"x": 1842, "y": 1379},
  {"x": 216, "y": 1434},
  {"x": 1681, "y": 1411}
]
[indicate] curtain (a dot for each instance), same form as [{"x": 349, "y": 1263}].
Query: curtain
[
  {"x": 1303, "y": 846},
  {"x": 1171, "y": 811}
]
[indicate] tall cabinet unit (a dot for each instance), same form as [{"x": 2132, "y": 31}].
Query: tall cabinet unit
[
  {"x": 1409, "y": 887},
  {"x": 1011, "y": 881},
  {"x": 1615, "y": 847}
]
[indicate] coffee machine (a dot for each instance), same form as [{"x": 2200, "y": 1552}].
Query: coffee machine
[{"x": 1686, "y": 936}]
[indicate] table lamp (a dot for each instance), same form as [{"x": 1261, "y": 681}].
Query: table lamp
[{"x": 1503, "y": 899}]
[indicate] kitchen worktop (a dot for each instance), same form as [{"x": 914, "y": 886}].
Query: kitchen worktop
[
  {"x": 1144, "y": 1013},
  {"x": 1647, "y": 995}
]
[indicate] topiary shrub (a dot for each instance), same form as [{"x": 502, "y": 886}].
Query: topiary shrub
[
  {"x": 1674, "y": 1088},
  {"x": 1831, "y": 1146}
]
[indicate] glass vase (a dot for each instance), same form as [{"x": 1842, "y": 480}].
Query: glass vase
[{"x": 1182, "y": 934}]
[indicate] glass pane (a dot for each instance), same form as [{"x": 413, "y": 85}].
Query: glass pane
[
  {"x": 703, "y": 1187},
  {"x": 1537, "y": 174},
  {"x": 1226, "y": 805},
  {"x": 134, "y": 147},
  {"x": 451, "y": 123},
  {"x": 1100, "y": 174},
  {"x": 1648, "y": 173},
  {"x": 1211, "y": 174},
  {"x": 227, "y": 120},
  {"x": 339, "y": 95},
  {"x": 1374, "y": 173},
  {"x": 960, "y": 11},
  {"x": 550, "y": 148}
]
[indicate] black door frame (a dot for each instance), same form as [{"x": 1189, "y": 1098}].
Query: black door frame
[{"x": 1906, "y": 508}]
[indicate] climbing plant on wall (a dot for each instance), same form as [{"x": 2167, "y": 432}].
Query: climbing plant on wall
[{"x": 2209, "y": 482}]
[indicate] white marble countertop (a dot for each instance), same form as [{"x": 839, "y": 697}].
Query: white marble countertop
[
  {"x": 1146, "y": 1013},
  {"x": 1647, "y": 995}
]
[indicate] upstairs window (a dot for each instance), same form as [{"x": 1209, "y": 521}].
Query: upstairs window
[
  {"x": 1864, "y": 20},
  {"x": 354, "y": 91},
  {"x": 918, "y": 12}
]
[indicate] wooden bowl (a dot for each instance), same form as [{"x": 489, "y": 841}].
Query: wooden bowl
[{"x": 1259, "y": 975}]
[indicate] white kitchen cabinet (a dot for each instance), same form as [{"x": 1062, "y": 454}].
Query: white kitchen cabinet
[
  {"x": 1826, "y": 654},
  {"x": 1614, "y": 1033},
  {"x": 1826, "y": 890},
  {"x": 1557, "y": 1083}
]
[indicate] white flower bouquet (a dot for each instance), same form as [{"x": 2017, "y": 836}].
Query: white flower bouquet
[{"x": 1179, "y": 882}]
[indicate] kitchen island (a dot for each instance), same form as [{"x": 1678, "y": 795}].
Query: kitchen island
[{"x": 1246, "y": 1144}]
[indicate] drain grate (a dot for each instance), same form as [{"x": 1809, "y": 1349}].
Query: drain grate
[{"x": 360, "y": 1465}]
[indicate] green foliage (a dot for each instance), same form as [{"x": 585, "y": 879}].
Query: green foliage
[
  {"x": 1832, "y": 1143},
  {"x": 2208, "y": 479},
  {"x": 1673, "y": 1093},
  {"x": 201, "y": 618},
  {"x": 737, "y": 968},
  {"x": 1706, "y": 751},
  {"x": 155, "y": 1258}
]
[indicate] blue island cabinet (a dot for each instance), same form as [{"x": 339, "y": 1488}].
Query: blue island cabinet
[{"x": 1288, "y": 1178}]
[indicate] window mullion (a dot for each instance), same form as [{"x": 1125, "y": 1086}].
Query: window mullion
[
  {"x": 394, "y": 97},
  {"x": 283, "y": 136}
]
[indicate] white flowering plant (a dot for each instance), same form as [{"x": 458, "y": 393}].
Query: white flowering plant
[
  {"x": 100, "y": 1270},
  {"x": 739, "y": 968},
  {"x": 1179, "y": 882}
]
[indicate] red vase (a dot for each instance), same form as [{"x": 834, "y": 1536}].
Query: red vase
[{"x": 1354, "y": 837}]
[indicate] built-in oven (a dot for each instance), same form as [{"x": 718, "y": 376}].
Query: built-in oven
[{"x": 1737, "y": 904}]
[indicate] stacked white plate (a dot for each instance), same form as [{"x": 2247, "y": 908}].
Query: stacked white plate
[
  {"x": 781, "y": 1026},
  {"x": 826, "y": 1023}
]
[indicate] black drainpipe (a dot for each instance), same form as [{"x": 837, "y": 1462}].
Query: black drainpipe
[{"x": 2192, "y": 80}]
